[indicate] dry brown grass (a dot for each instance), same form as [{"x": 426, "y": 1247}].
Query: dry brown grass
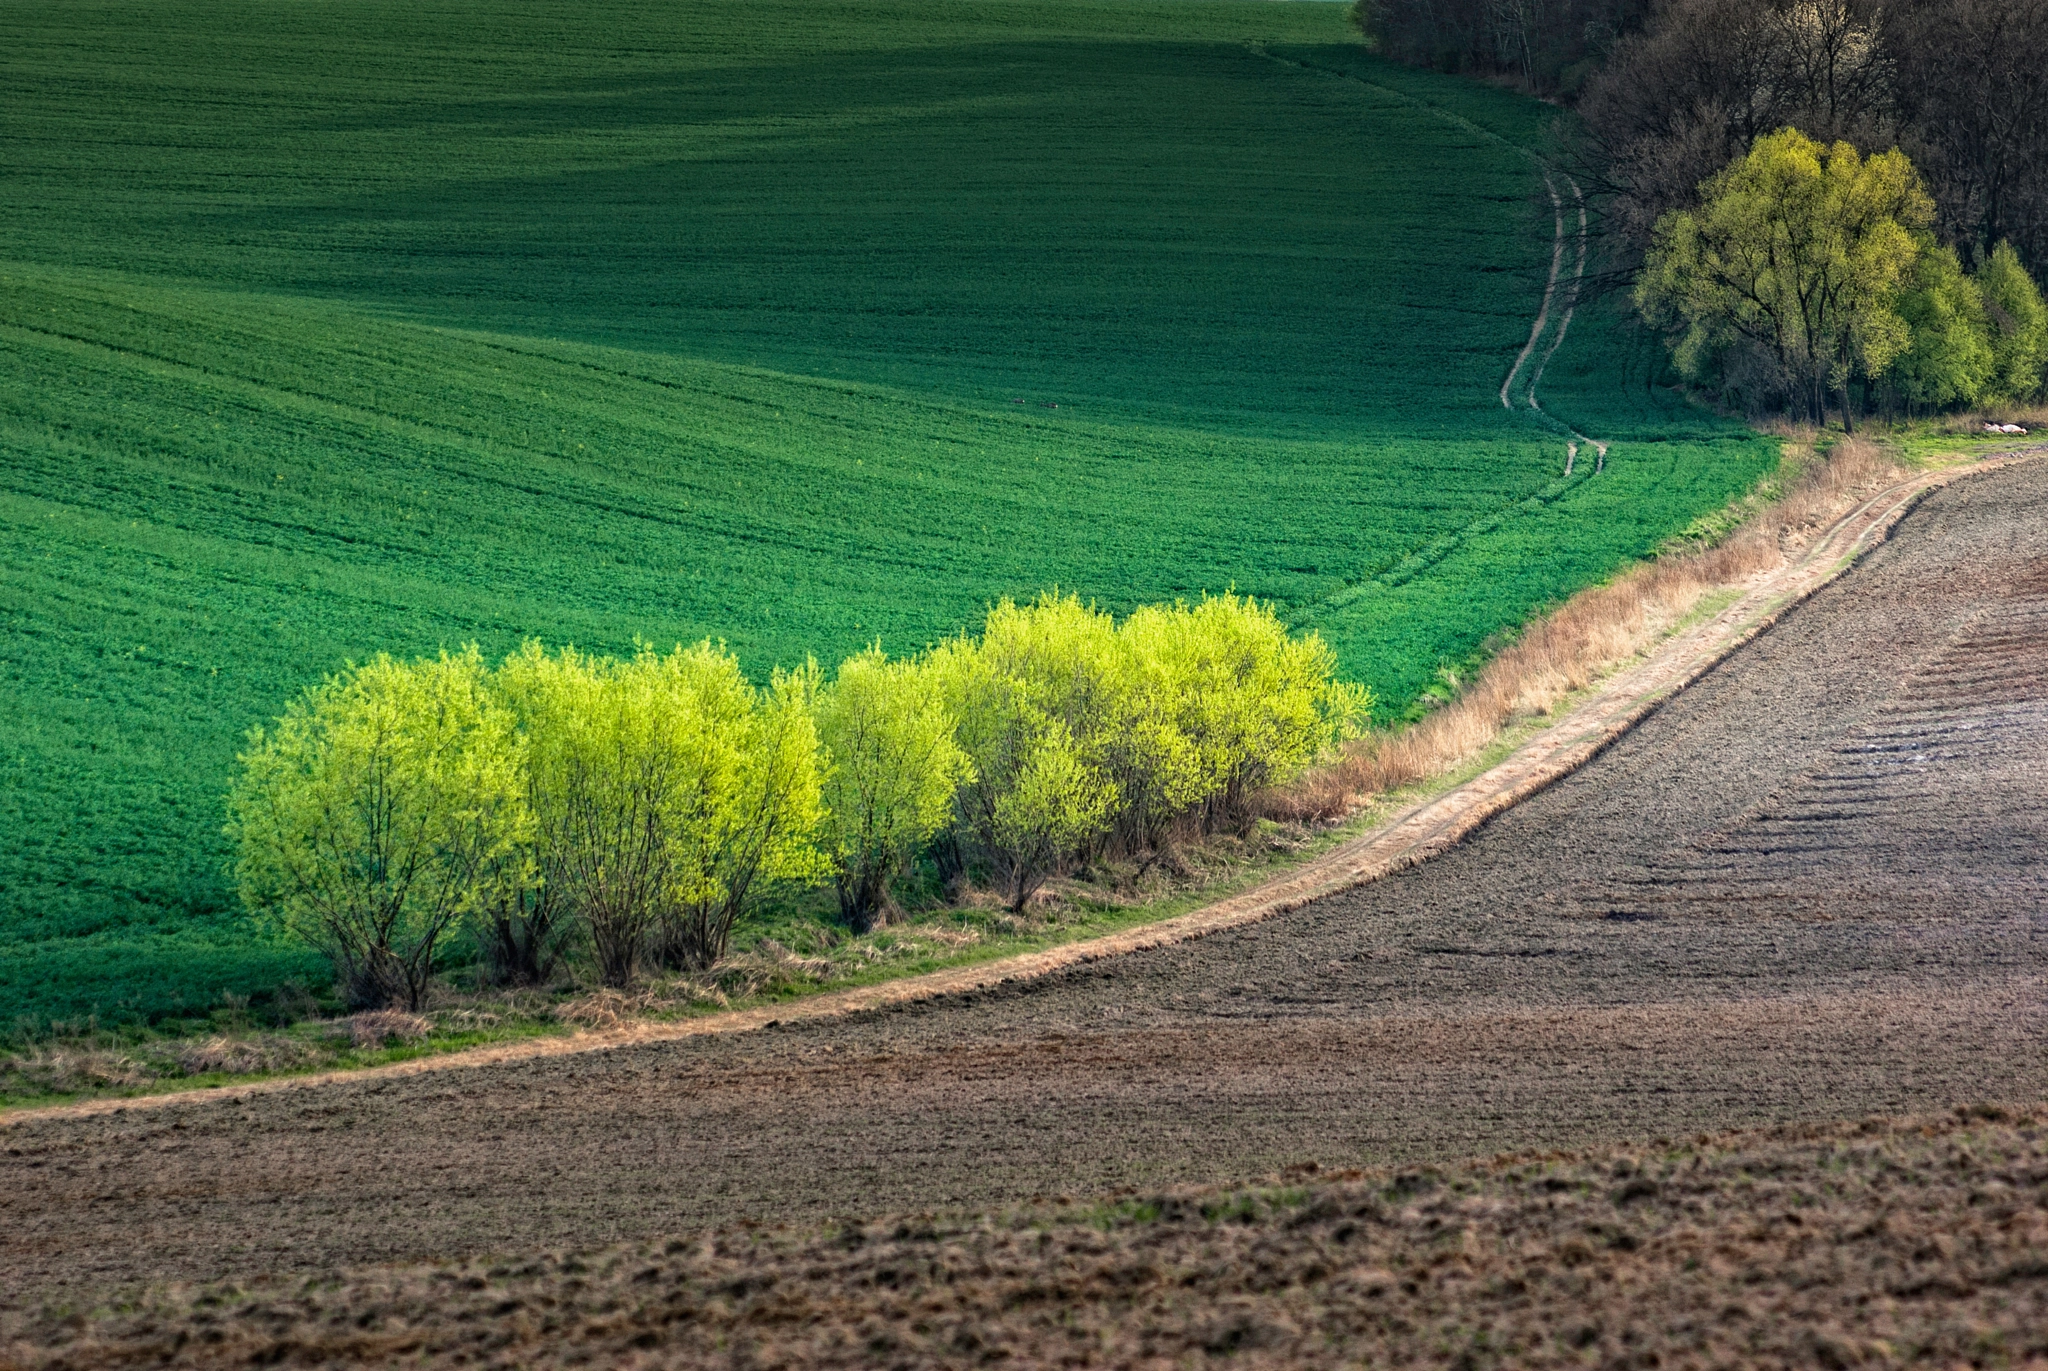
[
  {"x": 1885, "y": 1243},
  {"x": 63, "y": 1068},
  {"x": 378, "y": 1027},
  {"x": 1592, "y": 634},
  {"x": 244, "y": 1054},
  {"x": 765, "y": 968}
]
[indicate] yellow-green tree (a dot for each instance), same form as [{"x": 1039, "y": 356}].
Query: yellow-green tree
[
  {"x": 666, "y": 790},
  {"x": 892, "y": 767},
  {"x": 384, "y": 807},
  {"x": 751, "y": 816},
  {"x": 1032, "y": 699},
  {"x": 608, "y": 763},
  {"x": 1220, "y": 701},
  {"x": 1949, "y": 360},
  {"x": 1800, "y": 249},
  {"x": 2018, "y": 325}
]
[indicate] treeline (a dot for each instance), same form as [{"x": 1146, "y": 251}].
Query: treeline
[
  {"x": 1668, "y": 92},
  {"x": 1547, "y": 47},
  {"x": 1808, "y": 273},
  {"x": 632, "y": 812},
  {"x": 1776, "y": 286},
  {"x": 1957, "y": 85}
]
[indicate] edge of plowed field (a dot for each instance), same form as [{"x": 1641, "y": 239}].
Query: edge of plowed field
[{"x": 1406, "y": 838}]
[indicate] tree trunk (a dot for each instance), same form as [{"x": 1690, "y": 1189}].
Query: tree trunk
[{"x": 863, "y": 897}]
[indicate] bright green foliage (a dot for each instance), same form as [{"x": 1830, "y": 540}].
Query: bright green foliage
[
  {"x": 752, "y": 814},
  {"x": 1054, "y": 803},
  {"x": 377, "y": 813},
  {"x": 1059, "y": 658},
  {"x": 1799, "y": 249},
  {"x": 663, "y": 789},
  {"x": 1078, "y": 727},
  {"x": 645, "y": 801},
  {"x": 892, "y": 766},
  {"x": 342, "y": 326},
  {"x": 2019, "y": 326},
  {"x": 1221, "y": 701},
  {"x": 607, "y": 765},
  {"x": 1037, "y": 790},
  {"x": 1949, "y": 361}
]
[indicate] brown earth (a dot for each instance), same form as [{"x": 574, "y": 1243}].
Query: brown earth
[
  {"x": 1810, "y": 887},
  {"x": 1907, "y": 1243}
]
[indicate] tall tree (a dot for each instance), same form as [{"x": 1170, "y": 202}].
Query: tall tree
[{"x": 1798, "y": 249}]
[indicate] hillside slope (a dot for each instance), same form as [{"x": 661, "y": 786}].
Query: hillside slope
[{"x": 349, "y": 327}]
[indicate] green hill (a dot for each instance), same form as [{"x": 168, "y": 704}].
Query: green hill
[{"x": 333, "y": 327}]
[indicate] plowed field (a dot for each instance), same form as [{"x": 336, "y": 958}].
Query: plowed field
[
  {"x": 1809, "y": 888},
  {"x": 1885, "y": 1243}
]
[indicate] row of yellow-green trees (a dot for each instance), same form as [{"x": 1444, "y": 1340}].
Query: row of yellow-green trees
[{"x": 635, "y": 810}]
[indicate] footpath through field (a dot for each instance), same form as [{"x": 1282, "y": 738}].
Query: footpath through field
[{"x": 1808, "y": 886}]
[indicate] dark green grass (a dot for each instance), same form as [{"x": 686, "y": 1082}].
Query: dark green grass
[{"x": 329, "y": 328}]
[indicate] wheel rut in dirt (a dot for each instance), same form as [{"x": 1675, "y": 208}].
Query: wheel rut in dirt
[{"x": 1809, "y": 887}]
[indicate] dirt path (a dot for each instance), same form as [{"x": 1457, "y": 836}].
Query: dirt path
[{"x": 1809, "y": 886}]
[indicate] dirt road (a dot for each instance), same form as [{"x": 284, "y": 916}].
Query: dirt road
[{"x": 1813, "y": 886}]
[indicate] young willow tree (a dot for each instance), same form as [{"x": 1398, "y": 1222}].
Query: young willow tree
[
  {"x": 665, "y": 790},
  {"x": 1221, "y": 702},
  {"x": 892, "y": 767},
  {"x": 1033, "y": 698},
  {"x": 750, "y": 816},
  {"x": 1800, "y": 250},
  {"x": 1082, "y": 732},
  {"x": 378, "y": 812},
  {"x": 605, "y": 766}
]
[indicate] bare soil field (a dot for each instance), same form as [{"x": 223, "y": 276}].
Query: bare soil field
[
  {"x": 1809, "y": 888},
  {"x": 1885, "y": 1243}
]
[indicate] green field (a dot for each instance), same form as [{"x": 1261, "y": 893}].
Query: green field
[{"x": 334, "y": 326}]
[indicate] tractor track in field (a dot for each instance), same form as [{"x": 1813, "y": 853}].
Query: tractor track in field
[
  {"x": 1576, "y": 440},
  {"x": 1564, "y": 324},
  {"x": 1809, "y": 884}
]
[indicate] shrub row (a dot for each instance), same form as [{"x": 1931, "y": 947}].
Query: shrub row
[{"x": 635, "y": 810}]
